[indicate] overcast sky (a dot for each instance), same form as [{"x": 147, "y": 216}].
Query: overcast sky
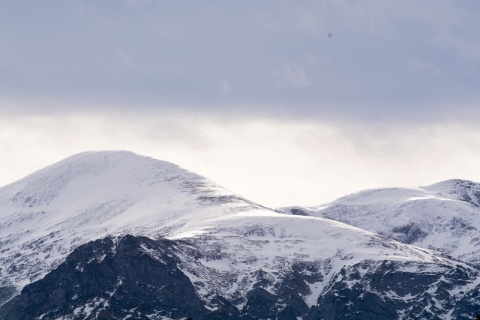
[{"x": 285, "y": 102}]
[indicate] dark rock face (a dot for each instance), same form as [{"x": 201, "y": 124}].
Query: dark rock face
[
  {"x": 390, "y": 290},
  {"x": 6, "y": 293},
  {"x": 466, "y": 307},
  {"x": 107, "y": 280},
  {"x": 300, "y": 212},
  {"x": 408, "y": 233},
  {"x": 467, "y": 191},
  {"x": 139, "y": 278}
]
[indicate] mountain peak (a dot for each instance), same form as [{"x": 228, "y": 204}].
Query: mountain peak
[
  {"x": 95, "y": 162},
  {"x": 95, "y": 194},
  {"x": 107, "y": 157},
  {"x": 450, "y": 184},
  {"x": 456, "y": 189},
  {"x": 443, "y": 216},
  {"x": 85, "y": 172}
]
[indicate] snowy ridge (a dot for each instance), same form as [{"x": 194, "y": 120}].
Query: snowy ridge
[
  {"x": 239, "y": 246},
  {"x": 444, "y": 216},
  {"x": 456, "y": 189}
]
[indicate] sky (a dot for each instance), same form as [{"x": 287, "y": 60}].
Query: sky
[{"x": 284, "y": 102}]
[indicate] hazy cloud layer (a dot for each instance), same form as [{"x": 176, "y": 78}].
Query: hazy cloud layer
[
  {"x": 369, "y": 60},
  {"x": 273, "y": 162}
]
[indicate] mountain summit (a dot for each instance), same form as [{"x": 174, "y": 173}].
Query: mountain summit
[
  {"x": 443, "y": 216},
  {"x": 88, "y": 196}
]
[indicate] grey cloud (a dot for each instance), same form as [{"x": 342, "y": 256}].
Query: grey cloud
[{"x": 382, "y": 61}]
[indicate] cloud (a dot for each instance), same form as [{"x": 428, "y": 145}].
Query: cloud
[
  {"x": 225, "y": 87},
  {"x": 151, "y": 55},
  {"x": 355, "y": 73},
  {"x": 464, "y": 48},
  {"x": 373, "y": 17},
  {"x": 137, "y": 2},
  {"x": 307, "y": 21},
  {"x": 290, "y": 76},
  {"x": 272, "y": 161},
  {"x": 421, "y": 65},
  {"x": 123, "y": 57}
]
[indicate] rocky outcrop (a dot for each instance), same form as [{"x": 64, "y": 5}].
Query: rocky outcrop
[
  {"x": 108, "y": 280},
  {"x": 393, "y": 290},
  {"x": 141, "y": 278}
]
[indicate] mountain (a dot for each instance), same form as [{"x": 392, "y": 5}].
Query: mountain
[
  {"x": 444, "y": 216},
  {"x": 92, "y": 195},
  {"x": 114, "y": 235}
]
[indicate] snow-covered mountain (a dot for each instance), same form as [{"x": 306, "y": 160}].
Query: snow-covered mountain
[
  {"x": 97, "y": 232},
  {"x": 91, "y": 195},
  {"x": 444, "y": 216}
]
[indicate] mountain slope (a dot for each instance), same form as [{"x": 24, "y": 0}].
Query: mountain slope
[
  {"x": 91, "y": 195},
  {"x": 139, "y": 278},
  {"x": 151, "y": 230},
  {"x": 298, "y": 258},
  {"x": 444, "y": 216}
]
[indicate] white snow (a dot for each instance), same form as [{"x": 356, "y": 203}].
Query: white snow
[
  {"x": 447, "y": 213},
  {"x": 92, "y": 195}
]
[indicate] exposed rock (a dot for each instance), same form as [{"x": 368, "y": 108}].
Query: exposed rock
[
  {"x": 104, "y": 279},
  {"x": 139, "y": 278}
]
